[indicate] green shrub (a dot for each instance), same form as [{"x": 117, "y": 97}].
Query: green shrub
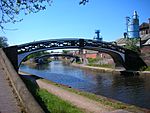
[
  {"x": 148, "y": 68},
  {"x": 93, "y": 60},
  {"x": 79, "y": 62}
]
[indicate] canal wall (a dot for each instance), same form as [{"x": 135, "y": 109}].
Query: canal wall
[
  {"x": 19, "y": 89},
  {"x": 110, "y": 70},
  {"x": 101, "y": 69}
]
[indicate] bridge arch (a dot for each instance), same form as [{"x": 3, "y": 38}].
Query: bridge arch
[
  {"x": 116, "y": 52},
  {"x": 129, "y": 59}
]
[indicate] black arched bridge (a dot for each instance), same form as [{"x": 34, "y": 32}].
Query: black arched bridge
[{"x": 121, "y": 56}]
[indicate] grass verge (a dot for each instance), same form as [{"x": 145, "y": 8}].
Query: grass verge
[
  {"x": 148, "y": 68},
  {"x": 103, "y": 100},
  {"x": 101, "y": 65},
  {"x": 55, "y": 104},
  {"x": 49, "y": 102}
]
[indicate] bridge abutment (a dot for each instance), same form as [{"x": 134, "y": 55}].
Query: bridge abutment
[
  {"x": 133, "y": 61},
  {"x": 12, "y": 55}
]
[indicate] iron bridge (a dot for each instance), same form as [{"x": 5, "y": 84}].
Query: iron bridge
[{"x": 121, "y": 56}]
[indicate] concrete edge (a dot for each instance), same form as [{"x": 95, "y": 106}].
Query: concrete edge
[
  {"x": 26, "y": 100},
  {"x": 109, "y": 70},
  {"x": 101, "y": 69}
]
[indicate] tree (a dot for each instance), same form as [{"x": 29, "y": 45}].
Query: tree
[
  {"x": 83, "y": 2},
  {"x": 37, "y": 54},
  {"x": 3, "y": 42},
  {"x": 9, "y": 9},
  {"x": 65, "y": 51},
  {"x": 132, "y": 45}
]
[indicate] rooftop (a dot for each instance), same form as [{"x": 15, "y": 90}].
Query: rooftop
[
  {"x": 144, "y": 25},
  {"x": 144, "y": 38}
]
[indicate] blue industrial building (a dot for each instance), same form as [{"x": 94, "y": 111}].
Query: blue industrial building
[{"x": 133, "y": 26}]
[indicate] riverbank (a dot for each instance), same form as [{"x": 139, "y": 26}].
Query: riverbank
[
  {"x": 29, "y": 63},
  {"x": 75, "y": 97},
  {"x": 48, "y": 101},
  {"x": 110, "y": 70}
]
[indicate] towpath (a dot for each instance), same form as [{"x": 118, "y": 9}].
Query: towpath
[
  {"x": 89, "y": 106},
  {"x": 8, "y": 102}
]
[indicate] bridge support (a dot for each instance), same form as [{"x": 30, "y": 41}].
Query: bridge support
[
  {"x": 12, "y": 54},
  {"x": 133, "y": 61}
]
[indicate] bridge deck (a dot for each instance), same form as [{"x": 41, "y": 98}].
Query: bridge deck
[{"x": 8, "y": 102}]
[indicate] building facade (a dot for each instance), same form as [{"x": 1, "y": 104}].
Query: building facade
[{"x": 145, "y": 28}]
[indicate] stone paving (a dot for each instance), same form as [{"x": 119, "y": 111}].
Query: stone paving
[{"x": 8, "y": 102}]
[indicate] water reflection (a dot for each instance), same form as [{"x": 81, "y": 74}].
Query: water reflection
[
  {"x": 39, "y": 66},
  {"x": 130, "y": 89},
  {"x": 126, "y": 89}
]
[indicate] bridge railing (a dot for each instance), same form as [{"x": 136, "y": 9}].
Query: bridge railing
[{"x": 67, "y": 43}]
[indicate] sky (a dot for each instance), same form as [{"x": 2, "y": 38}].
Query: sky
[{"x": 68, "y": 19}]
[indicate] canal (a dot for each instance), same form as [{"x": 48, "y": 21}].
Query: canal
[{"x": 129, "y": 89}]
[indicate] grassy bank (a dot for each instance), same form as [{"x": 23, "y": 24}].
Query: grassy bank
[
  {"x": 148, "y": 68},
  {"x": 94, "y": 62},
  {"x": 55, "y": 104},
  {"x": 101, "y": 65},
  {"x": 49, "y": 102},
  {"x": 103, "y": 100}
]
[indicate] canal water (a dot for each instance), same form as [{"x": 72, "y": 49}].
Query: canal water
[{"x": 129, "y": 89}]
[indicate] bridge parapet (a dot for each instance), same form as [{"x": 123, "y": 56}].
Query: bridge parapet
[{"x": 67, "y": 43}]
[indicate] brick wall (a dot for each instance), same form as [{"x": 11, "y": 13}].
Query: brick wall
[
  {"x": 90, "y": 55},
  {"x": 145, "y": 54},
  {"x": 145, "y": 49}
]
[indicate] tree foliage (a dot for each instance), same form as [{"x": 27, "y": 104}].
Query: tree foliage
[
  {"x": 9, "y": 9},
  {"x": 83, "y": 2},
  {"x": 3, "y": 42},
  {"x": 37, "y": 54},
  {"x": 132, "y": 44},
  {"x": 65, "y": 51}
]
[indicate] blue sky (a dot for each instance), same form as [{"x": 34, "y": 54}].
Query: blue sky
[{"x": 68, "y": 19}]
